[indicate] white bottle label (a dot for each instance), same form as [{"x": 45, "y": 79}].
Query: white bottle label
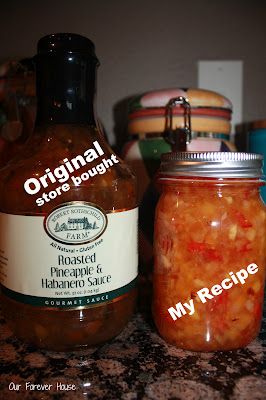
[{"x": 77, "y": 256}]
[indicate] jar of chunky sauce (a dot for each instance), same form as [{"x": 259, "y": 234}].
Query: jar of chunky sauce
[
  {"x": 68, "y": 214},
  {"x": 209, "y": 244}
]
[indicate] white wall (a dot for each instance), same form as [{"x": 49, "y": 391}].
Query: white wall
[{"x": 148, "y": 44}]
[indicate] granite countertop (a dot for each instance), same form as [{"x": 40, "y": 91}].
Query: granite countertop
[{"x": 138, "y": 364}]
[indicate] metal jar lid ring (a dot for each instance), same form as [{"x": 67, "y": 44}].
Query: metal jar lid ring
[{"x": 212, "y": 164}]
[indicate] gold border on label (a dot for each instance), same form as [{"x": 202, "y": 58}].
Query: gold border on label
[{"x": 121, "y": 210}]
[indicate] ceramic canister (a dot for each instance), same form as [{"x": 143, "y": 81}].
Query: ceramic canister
[
  {"x": 257, "y": 144},
  {"x": 210, "y": 125}
]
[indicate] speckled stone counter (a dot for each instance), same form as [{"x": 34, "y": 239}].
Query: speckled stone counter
[{"x": 138, "y": 364}]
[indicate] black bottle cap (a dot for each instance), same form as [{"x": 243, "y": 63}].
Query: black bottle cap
[
  {"x": 65, "y": 79},
  {"x": 66, "y": 43}
]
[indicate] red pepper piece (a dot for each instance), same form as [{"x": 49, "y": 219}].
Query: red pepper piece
[
  {"x": 196, "y": 247},
  {"x": 206, "y": 252},
  {"x": 242, "y": 221},
  {"x": 220, "y": 302},
  {"x": 244, "y": 248}
]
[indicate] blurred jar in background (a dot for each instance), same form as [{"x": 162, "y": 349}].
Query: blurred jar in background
[
  {"x": 257, "y": 144},
  {"x": 17, "y": 107}
]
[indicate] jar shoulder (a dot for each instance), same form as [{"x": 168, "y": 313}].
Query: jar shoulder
[{"x": 83, "y": 162}]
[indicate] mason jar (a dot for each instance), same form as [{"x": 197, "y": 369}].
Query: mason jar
[{"x": 209, "y": 249}]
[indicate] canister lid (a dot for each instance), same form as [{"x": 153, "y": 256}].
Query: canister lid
[
  {"x": 211, "y": 164},
  {"x": 196, "y": 97},
  {"x": 210, "y": 111},
  {"x": 260, "y": 124}
]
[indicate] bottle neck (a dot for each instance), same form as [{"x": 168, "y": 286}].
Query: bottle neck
[{"x": 65, "y": 88}]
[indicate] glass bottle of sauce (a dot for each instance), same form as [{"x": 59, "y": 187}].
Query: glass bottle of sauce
[
  {"x": 210, "y": 224},
  {"x": 68, "y": 213}
]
